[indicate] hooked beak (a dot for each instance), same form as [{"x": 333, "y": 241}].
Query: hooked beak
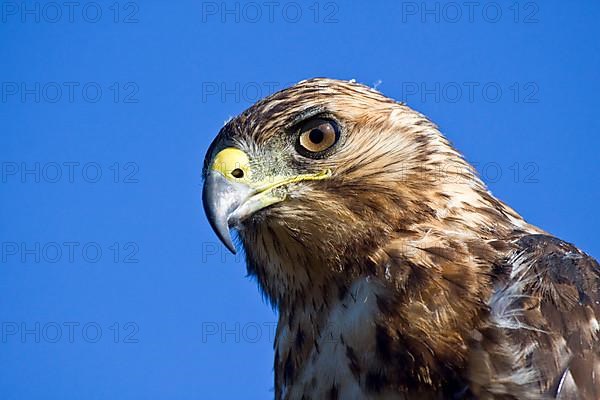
[
  {"x": 221, "y": 198},
  {"x": 231, "y": 194}
]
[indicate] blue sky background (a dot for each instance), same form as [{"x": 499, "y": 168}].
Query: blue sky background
[{"x": 136, "y": 93}]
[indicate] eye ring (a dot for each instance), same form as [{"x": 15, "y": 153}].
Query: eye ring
[{"x": 316, "y": 136}]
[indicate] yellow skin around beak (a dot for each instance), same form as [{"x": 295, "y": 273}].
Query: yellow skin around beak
[
  {"x": 229, "y": 159},
  {"x": 233, "y": 191}
]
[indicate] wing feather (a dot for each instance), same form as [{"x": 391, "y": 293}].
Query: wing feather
[{"x": 551, "y": 307}]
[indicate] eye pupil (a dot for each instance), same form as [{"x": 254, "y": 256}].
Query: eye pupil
[
  {"x": 237, "y": 173},
  {"x": 316, "y": 136}
]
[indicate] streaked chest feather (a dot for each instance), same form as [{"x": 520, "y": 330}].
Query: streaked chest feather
[{"x": 343, "y": 353}]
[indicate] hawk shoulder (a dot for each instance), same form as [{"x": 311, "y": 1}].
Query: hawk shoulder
[{"x": 547, "y": 302}]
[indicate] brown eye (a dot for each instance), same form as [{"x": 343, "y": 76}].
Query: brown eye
[{"x": 318, "y": 135}]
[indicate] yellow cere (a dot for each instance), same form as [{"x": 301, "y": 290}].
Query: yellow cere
[{"x": 229, "y": 159}]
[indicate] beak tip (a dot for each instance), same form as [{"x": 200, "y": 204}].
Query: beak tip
[
  {"x": 226, "y": 240},
  {"x": 231, "y": 248},
  {"x": 222, "y": 231}
]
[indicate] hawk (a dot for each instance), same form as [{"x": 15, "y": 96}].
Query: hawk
[{"x": 395, "y": 272}]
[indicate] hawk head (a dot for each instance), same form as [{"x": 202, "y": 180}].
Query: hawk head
[{"x": 317, "y": 177}]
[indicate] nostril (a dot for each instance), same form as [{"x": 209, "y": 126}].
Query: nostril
[{"x": 237, "y": 173}]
